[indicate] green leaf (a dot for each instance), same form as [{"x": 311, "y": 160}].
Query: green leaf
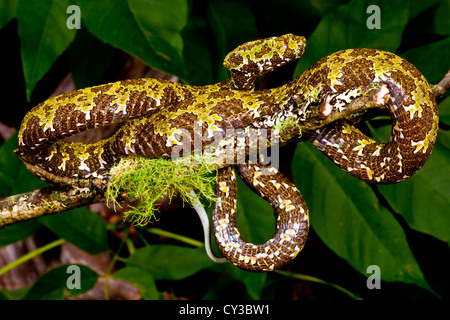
[
  {"x": 15, "y": 179},
  {"x": 441, "y": 20},
  {"x": 81, "y": 227},
  {"x": 18, "y": 232},
  {"x": 142, "y": 37},
  {"x": 211, "y": 33},
  {"x": 161, "y": 22},
  {"x": 254, "y": 282},
  {"x": 224, "y": 16},
  {"x": 44, "y": 36},
  {"x": 142, "y": 279},
  {"x": 418, "y": 7},
  {"x": 430, "y": 17},
  {"x": 53, "y": 285},
  {"x": 346, "y": 28},
  {"x": 444, "y": 138},
  {"x": 349, "y": 219},
  {"x": 87, "y": 66},
  {"x": 424, "y": 59},
  {"x": 14, "y": 176},
  {"x": 7, "y": 11},
  {"x": 444, "y": 111},
  {"x": 169, "y": 262},
  {"x": 16, "y": 294},
  {"x": 423, "y": 200},
  {"x": 3, "y": 296},
  {"x": 197, "y": 52}
]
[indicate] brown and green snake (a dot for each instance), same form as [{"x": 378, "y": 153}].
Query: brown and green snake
[{"x": 156, "y": 112}]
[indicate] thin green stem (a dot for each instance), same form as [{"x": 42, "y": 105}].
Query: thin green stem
[
  {"x": 111, "y": 265},
  {"x": 175, "y": 236},
  {"x": 30, "y": 255},
  {"x": 317, "y": 280},
  {"x": 284, "y": 273}
]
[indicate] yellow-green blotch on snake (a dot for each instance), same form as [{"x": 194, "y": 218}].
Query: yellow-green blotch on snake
[{"x": 156, "y": 112}]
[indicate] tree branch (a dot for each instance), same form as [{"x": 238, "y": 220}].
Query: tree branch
[
  {"x": 71, "y": 193},
  {"x": 45, "y": 201},
  {"x": 442, "y": 86}
]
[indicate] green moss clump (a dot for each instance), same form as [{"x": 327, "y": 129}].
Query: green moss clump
[
  {"x": 148, "y": 179},
  {"x": 290, "y": 122}
]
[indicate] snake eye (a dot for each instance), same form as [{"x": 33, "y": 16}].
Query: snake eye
[
  {"x": 227, "y": 126},
  {"x": 237, "y": 123}
]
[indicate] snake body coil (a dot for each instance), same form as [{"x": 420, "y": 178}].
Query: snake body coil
[{"x": 156, "y": 113}]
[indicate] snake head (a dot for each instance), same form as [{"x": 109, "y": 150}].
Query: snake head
[{"x": 353, "y": 103}]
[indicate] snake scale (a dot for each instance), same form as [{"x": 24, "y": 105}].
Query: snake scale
[{"x": 156, "y": 112}]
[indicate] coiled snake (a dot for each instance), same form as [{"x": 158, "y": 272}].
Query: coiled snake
[{"x": 156, "y": 112}]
